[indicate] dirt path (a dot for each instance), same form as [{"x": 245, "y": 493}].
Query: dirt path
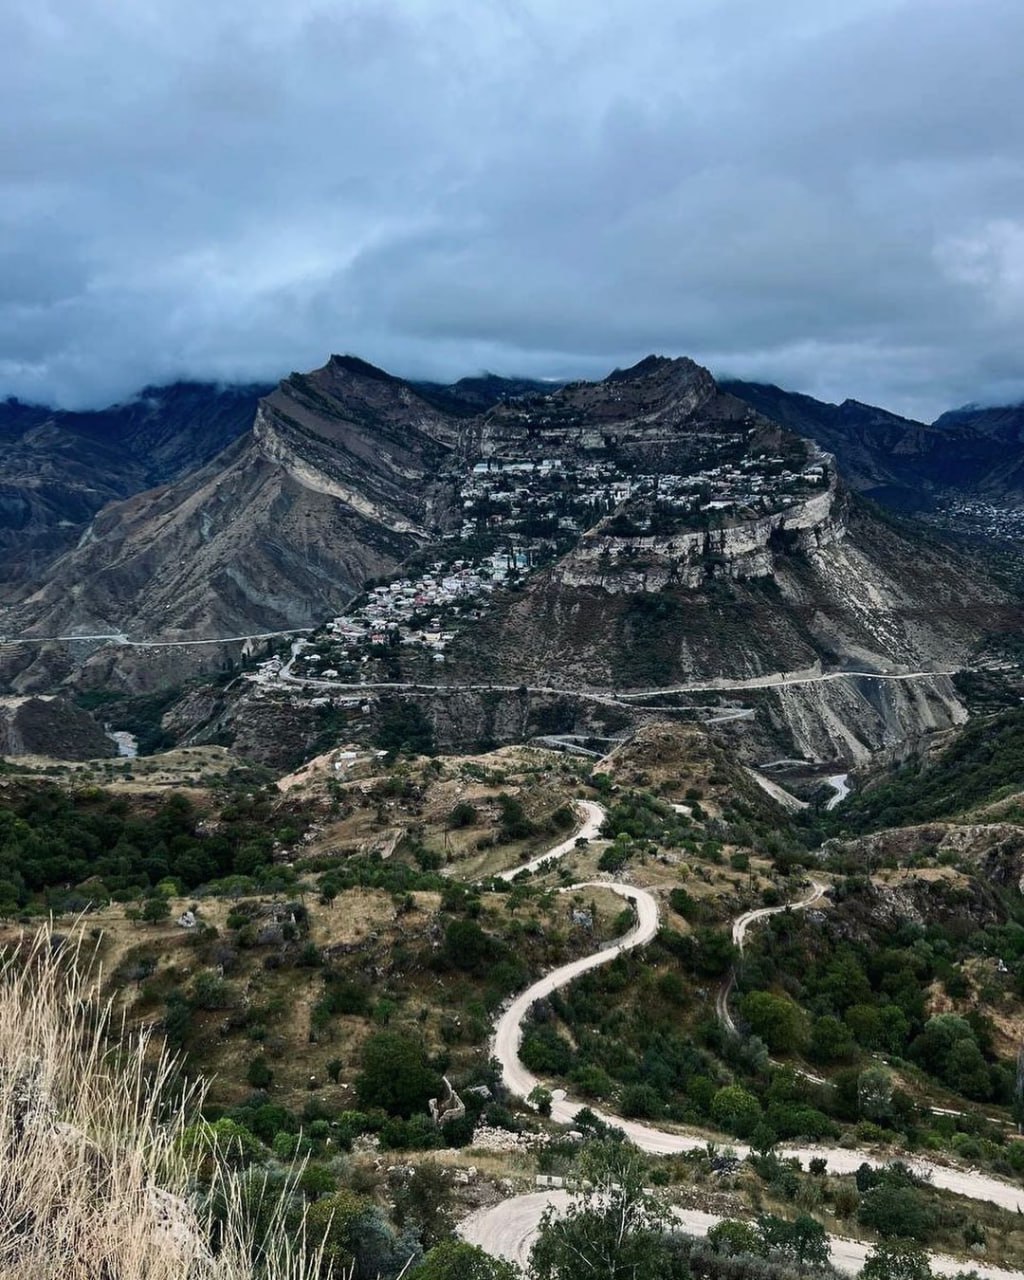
[
  {"x": 508, "y": 1230},
  {"x": 594, "y": 816},
  {"x": 520, "y": 1081}
]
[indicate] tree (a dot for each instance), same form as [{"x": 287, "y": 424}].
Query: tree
[
  {"x": 259, "y": 1074},
  {"x": 803, "y": 1239},
  {"x": 396, "y": 1074},
  {"x": 456, "y": 1260},
  {"x": 948, "y": 1049},
  {"x": 897, "y": 1260},
  {"x": 462, "y": 815},
  {"x": 874, "y": 1093},
  {"x": 613, "y": 1228},
  {"x": 731, "y": 1237},
  {"x": 466, "y": 946},
  {"x": 736, "y": 1110},
  {"x": 832, "y": 1041},
  {"x": 780, "y": 1023},
  {"x": 316, "y": 1180},
  {"x": 896, "y": 1212},
  {"x": 156, "y": 909},
  {"x": 424, "y": 1201}
]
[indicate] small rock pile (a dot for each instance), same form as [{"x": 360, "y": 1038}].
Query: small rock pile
[{"x": 488, "y": 1139}]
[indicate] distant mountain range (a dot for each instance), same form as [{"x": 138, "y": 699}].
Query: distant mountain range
[
  {"x": 909, "y": 465},
  {"x": 677, "y": 531},
  {"x": 58, "y": 468}
]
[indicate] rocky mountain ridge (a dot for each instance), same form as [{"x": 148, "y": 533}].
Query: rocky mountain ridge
[
  {"x": 660, "y": 531},
  {"x": 58, "y": 468},
  {"x": 897, "y": 461}
]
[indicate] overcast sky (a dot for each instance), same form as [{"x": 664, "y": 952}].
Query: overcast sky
[{"x": 828, "y": 194}]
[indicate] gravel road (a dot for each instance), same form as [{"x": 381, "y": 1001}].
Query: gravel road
[{"x": 506, "y": 1229}]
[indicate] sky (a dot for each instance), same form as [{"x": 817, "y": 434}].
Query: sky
[{"x": 826, "y": 194}]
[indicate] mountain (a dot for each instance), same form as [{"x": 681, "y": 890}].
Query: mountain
[
  {"x": 335, "y": 481},
  {"x": 1004, "y": 422},
  {"x": 778, "y": 572},
  {"x": 470, "y": 396},
  {"x": 905, "y": 464},
  {"x": 644, "y": 531},
  {"x": 59, "y": 468}
]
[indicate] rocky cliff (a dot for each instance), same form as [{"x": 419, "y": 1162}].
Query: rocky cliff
[
  {"x": 735, "y": 550},
  {"x": 335, "y": 482}
]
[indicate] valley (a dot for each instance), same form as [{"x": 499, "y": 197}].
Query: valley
[{"x": 513, "y": 774}]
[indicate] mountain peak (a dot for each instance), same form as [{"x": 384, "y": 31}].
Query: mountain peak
[
  {"x": 359, "y": 368},
  {"x": 652, "y": 365}
]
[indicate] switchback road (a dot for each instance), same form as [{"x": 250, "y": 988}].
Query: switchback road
[{"x": 507, "y": 1228}]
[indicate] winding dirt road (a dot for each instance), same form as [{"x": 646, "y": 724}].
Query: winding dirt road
[
  {"x": 594, "y": 816},
  {"x": 507, "y": 1229}
]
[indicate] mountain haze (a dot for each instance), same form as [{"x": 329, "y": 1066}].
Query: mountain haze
[{"x": 59, "y": 468}]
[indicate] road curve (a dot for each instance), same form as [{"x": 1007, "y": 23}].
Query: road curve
[
  {"x": 508, "y": 1036},
  {"x": 739, "y": 934},
  {"x": 593, "y": 818},
  {"x": 742, "y": 923},
  {"x": 509, "y": 1229}
]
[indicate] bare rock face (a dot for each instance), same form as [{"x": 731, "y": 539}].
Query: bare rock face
[
  {"x": 335, "y": 483},
  {"x": 742, "y": 550}
]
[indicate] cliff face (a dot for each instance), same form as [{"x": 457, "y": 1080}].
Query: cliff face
[
  {"x": 739, "y": 551},
  {"x": 335, "y": 483}
]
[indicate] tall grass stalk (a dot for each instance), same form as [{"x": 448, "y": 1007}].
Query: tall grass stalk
[{"x": 95, "y": 1180}]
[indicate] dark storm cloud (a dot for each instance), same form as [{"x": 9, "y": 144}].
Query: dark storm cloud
[{"x": 829, "y": 194}]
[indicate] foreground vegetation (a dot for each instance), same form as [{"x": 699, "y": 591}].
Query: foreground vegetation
[{"x": 346, "y": 949}]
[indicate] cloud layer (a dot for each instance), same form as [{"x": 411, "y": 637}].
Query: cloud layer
[{"x": 827, "y": 195}]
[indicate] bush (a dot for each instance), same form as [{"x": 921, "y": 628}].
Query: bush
[
  {"x": 462, "y": 815},
  {"x": 259, "y": 1074},
  {"x": 895, "y": 1211},
  {"x": 780, "y": 1023},
  {"x": 736, "y": 1110},
  {"x": 641, "y": 1102},
  {"x": 544, "y": 1050},
  {"x": 396, "y": 1074},
  {"x": 467, "y": 947},
  {"x": 455, "y": 1260}
]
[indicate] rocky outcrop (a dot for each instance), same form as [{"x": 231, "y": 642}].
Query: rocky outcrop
[
  {"x": 995, "y": 849},
  {"x": 876, "y": 909},
  {"x": 739, "y": 550},
  {"x": 51, "y": 726}
]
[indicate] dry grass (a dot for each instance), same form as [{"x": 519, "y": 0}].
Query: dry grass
[{"x": 96, "y": 1178}]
